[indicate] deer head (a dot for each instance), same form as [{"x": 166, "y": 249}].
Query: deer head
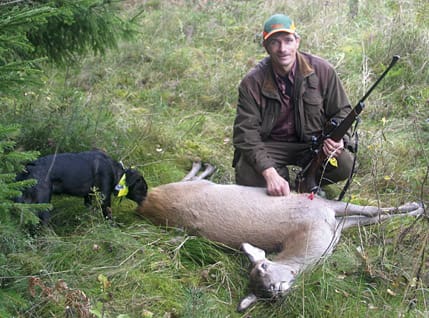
[{"x": 267, "y": 279}]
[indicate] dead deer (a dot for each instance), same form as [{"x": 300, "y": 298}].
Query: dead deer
[{"x": 299, "y": 228}]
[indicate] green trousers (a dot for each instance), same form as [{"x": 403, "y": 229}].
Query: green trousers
[{"x": 297, "y": 154}]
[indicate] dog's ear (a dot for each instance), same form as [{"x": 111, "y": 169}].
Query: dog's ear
[
  {"x": 135, "y": 179},
  {"x": 137, "y": 185},
  {"x": 132, "y": 176}
]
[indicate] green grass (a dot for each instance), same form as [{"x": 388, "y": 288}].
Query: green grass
[{"x": 167, "y": 98}]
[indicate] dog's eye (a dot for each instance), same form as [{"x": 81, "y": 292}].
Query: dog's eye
[{"x": 264, "y": 266}]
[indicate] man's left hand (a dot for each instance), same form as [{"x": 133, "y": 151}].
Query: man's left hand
[{"x": 333, "y": 148}]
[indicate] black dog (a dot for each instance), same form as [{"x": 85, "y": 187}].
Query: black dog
[{"x": 77, "y": 174}]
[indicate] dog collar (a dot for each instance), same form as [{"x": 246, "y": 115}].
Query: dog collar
[{"x": 122, "y": 187}]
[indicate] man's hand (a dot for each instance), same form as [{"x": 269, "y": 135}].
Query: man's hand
[
  {"x": 333, "y": 148},
  {"x": 276, "y": 184}
]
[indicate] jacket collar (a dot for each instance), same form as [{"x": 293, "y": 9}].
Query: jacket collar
[
  {"x": 269, "y": 86},
  {"x": 304, "y": 67}
]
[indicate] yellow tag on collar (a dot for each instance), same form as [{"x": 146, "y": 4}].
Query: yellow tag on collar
[
  {"x": 333, "y": 161},
  {"x": 122, "y": 187}
]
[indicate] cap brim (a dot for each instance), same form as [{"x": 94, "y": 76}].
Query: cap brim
[{"x": 266, "y": 36}]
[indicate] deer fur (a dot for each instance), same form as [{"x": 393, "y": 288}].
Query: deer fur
[{"x": 299, "y": 229}]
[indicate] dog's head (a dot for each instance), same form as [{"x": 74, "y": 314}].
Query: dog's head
[{"x": 137, "y": 186}]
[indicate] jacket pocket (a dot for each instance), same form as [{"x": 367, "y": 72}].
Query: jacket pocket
[{"x": 314, "y": 113}]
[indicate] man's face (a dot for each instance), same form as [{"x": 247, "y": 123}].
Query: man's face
[{"x": 282, "y": 48}]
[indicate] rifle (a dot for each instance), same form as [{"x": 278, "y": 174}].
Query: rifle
[{"x": 306, "y": 178}]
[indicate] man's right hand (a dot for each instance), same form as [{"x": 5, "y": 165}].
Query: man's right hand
[{"x": 276, "y": 184}]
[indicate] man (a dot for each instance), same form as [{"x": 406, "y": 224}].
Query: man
[{"x": 283, "y": 102}]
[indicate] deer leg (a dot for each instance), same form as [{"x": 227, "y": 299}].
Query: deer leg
[
  {"x": 196, "y": 166},
  {"x": 356, "y": 220},
  {"x": 208, "y": 171},
  {"x": 405, "y": 208},
  {"x": 348, "y": 209}
]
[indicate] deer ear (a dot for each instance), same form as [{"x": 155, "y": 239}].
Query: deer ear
[
  {"x": 246, "y": 302},
  {"x": 254, "y": 253}
]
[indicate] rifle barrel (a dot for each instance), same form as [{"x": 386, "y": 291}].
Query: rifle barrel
[
  {"x": 395, "y": 59},
  {"x": 347, "y": 122}
]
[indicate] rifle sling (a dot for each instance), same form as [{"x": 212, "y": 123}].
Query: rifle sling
[{"x": 353, "y": 171}]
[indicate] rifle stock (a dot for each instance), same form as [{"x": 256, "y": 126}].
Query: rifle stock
[{"x": 306, "y": 180}]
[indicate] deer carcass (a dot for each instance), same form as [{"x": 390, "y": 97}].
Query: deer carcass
[{"x": 298, "y": 228}]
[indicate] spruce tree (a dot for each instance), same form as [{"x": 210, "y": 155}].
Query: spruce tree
[
  {"x": 14, "y": 214},
  {"x": 56, "y": 31}
]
